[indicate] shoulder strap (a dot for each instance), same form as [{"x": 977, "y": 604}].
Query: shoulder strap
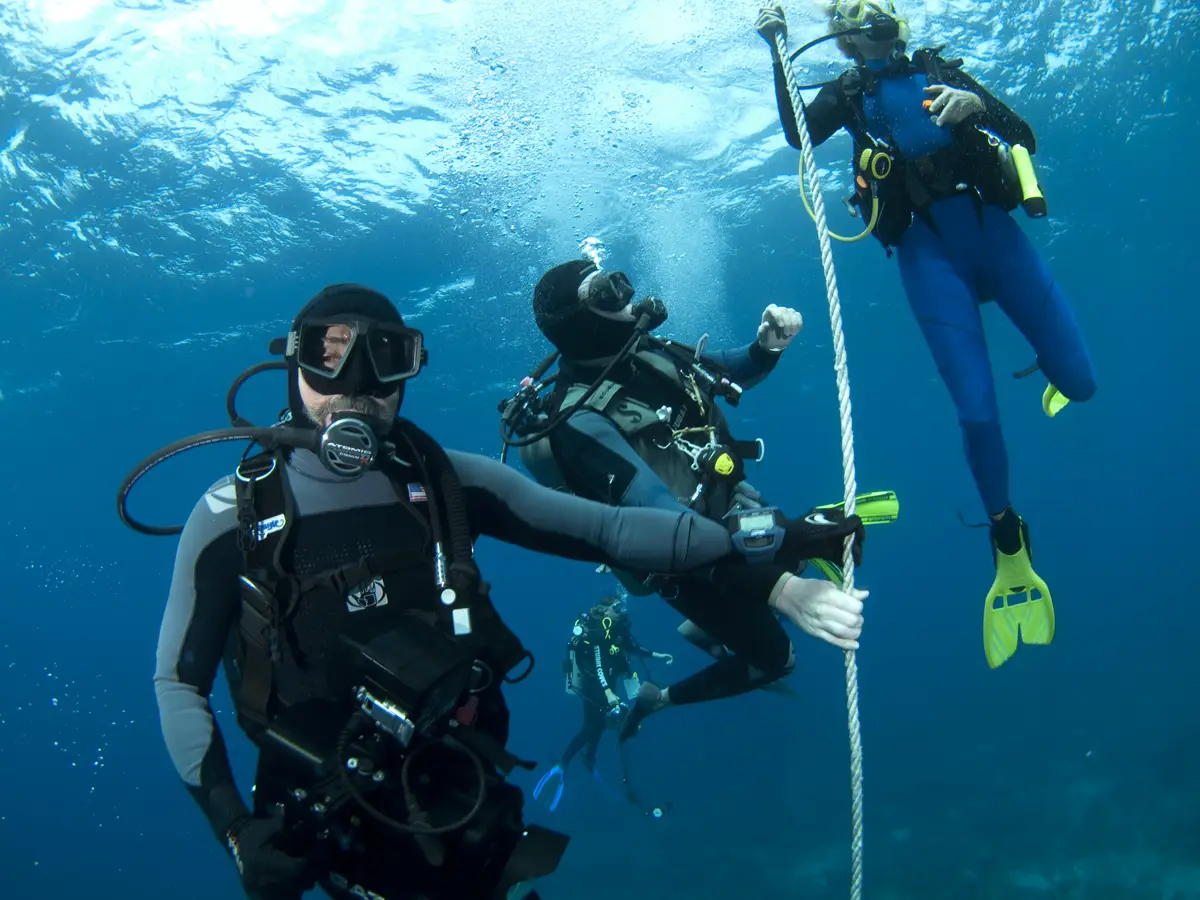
[
  {"x": 629, "y": 414},
  {"x": 601, "y": 397},
  {"x": 265, "y": 512},
  {"x": 855, "y": 83},
  {"x": 929, "y": 60},
  {"x": 476, "y": 623}
]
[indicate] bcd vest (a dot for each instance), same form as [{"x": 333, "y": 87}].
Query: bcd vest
[
  {"x": 972, "y": 165},
  {"x": 268, "y": 673},
  {"x": 685, "y": 441}
]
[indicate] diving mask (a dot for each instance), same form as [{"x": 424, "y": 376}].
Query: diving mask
[
  {"x": 874, "y": 19},
  {"x": 614, "y": 606},
  {"x": 351, "y": 355},
  {"x": 608, "y": 292}
]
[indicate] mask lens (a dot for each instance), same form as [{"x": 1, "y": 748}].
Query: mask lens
[
  {"x": 396, "y": 352},
  {"x": 324, "y": 347},
  {"x": 858, "y": 12}
]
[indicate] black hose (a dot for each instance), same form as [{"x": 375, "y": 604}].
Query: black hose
[
  {"x": 231, "y": 397},
  {"x": 268, "y": 437},
  {"x": 506, "y": 430},
  {"x": 457, "y": 538},
  {"x": 352, "y": 730}
]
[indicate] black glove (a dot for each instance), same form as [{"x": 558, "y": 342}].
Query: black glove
[
  {"x": 267, "y": 872},
  {"x": 821, "y": 534}
]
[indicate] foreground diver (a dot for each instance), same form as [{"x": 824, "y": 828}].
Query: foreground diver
[
  {"x": 940, "y": 162},
  {"x": 601, "y": 674},
  {"x": 633, "y": 422},
  {"x": 333, "y": 575}
]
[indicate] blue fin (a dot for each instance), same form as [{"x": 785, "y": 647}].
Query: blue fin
[{"x": 555, "y": 772}]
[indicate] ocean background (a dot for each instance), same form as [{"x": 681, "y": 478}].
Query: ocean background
[{"x": 177, "y": 178}]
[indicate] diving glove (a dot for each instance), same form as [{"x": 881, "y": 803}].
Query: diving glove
[
  {"x": 265, "y": 869},
  {"x": 821, "y": 534}
]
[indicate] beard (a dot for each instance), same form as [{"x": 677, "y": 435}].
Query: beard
[{"x": 380, "y": 409}]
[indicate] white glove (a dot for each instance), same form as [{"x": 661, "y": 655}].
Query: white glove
[
  {"x": 779, "y": 325},
  {"x": 822, "y": 609},
  {"x": 771, "y": 20},
  {"x": 952, "y": 105}
]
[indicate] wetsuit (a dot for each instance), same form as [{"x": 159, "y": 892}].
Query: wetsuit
[
  {"x": 337, "y": 520},
  {"x": 596, "y": 461},
  {"x": 958, "y": 249},
  {"x": 601, "y": 659}
]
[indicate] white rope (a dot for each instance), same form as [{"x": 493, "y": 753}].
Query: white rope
[{"x": 843, "y": 387}]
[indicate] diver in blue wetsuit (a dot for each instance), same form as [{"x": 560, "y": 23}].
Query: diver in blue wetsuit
[
  {"x": 600, "y": 672},
  {"x": 633, "y": 420},
  {"x": 938, "y": 170}
]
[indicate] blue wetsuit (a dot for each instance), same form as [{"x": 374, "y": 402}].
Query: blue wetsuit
[{"x": 961, "y": 252}]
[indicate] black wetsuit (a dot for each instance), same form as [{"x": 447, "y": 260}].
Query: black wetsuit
[
  {"x": 598, "y": 653},
  {"x": 596, "y": 461},
  {"x": 337, "y": 520},
  {"x": 968, "y": 159}
]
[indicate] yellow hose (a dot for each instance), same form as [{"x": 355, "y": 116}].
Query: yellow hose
[{"x": 838, "y": 237}]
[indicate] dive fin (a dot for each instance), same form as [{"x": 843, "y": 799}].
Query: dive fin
[
  {"x": 656, "y": 811},
  {"x": 781, "y": 687},
  {"x": 876, "y": 508},
  {"x": 1018, "y": 609},
  {"x": 829, "y": 570},
  {"x": 551, "y": 784},
  {"x": 1053, "y": 401}
]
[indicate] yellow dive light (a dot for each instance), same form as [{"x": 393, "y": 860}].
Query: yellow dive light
[{"x": 1031, "y": 192}]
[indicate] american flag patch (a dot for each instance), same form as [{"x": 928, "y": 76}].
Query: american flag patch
[{"x": 416, "y": 493}]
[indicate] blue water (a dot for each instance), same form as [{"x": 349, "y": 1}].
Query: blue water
[{"x": 180, "y": 177}]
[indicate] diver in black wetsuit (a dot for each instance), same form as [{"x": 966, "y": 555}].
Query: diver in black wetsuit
[
  {"x": 599, "y": 671},
  {"x": 633, "y": 422},
  {"x": 333, "y": 575}
]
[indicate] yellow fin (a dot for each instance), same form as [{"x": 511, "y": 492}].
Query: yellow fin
[
  {"x": 1053, "y": 401},
  {"x": 1018, "y": 609},
  {"x": 875, "y": 508}
]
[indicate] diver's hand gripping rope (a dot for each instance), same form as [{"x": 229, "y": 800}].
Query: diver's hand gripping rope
[{"x": 843, "y": 386}]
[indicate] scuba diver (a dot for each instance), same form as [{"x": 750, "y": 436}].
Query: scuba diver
[
  {"x": 939, "y": 164},
  {"x": 333, "y": 576},
  {"x": 600, "y": 673},
  {"x": 632, "y": 421}
]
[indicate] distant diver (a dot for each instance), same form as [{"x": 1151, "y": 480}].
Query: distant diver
[
  {"x": 599, "y": 669},
  {"x": 938, "y": 164}
]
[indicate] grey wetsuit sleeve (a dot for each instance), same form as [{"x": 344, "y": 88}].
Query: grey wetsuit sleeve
[
  {"x": 595, "y": 459},
  {"x": 504, "y": 504},
  {"x": 598, "y": 463},
  {"x": 200, "y": 613},
  {"x": 747, "y": 365}
]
